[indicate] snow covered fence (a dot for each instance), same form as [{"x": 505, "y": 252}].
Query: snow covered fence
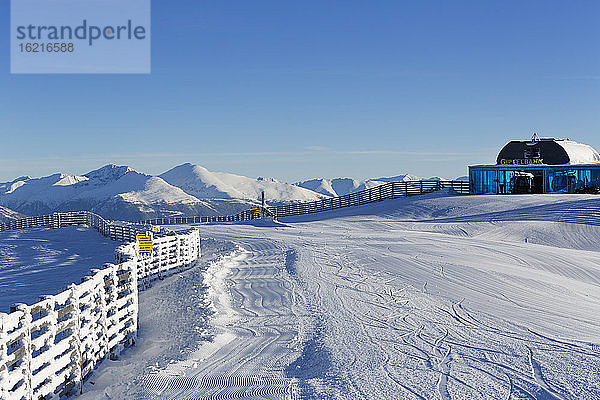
[
  {"x": 48, "y": 349},
  {"x": 170, "y": 254},
  {"x": 391, "y": 190},
  {"x": 116, "y": 230}
]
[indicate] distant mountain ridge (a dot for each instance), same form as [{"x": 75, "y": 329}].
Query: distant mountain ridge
[
  {"x": 342, "y": 186},
  {"x": 201, "y": 183},
  {"x": 119, "y": 192},
  {"x": 7, "y": 215}
]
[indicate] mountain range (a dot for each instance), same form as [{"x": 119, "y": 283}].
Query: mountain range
[
  {"x": 119, "y": 192},
  {"x": 341, "y": 186}
]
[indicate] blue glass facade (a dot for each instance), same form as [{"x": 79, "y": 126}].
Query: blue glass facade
[{"x": 500, "y": 179}]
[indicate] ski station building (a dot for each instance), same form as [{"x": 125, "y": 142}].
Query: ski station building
[{"x": 539, "y": 165}]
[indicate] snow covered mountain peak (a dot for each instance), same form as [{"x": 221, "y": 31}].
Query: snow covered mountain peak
[
  {"x": 156, "y": 190},
  {"x": 204, "y": 184},
  {"x": 399, "y": 178},
  {"x": 12, "y": 186},
  {"x": 120, "y": 192},
  {"x": 263, "y": 179},
  {"x": 67, "y": 180},
  {"x": 110, "y": 172},
  {"x": 342, "y": 186}
]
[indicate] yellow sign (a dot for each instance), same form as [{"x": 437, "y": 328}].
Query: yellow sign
[
  {"x": 145, "y": 243},
  {"x": 521, "y": 161},
  {"x": 255, "y": 211}
]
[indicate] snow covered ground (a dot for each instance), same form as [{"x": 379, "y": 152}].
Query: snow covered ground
[
  {"x": 40, "y": 261},
  {"x": 226, "y": 329},
  {"x": 432, "y": 297},
  {"x": 429, "y": 297}
]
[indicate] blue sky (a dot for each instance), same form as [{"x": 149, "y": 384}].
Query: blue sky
[{"x": 299, "y": 89}]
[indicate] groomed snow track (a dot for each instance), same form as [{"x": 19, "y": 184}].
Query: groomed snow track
[
  {"x": 390, "y": 307},
  {"x": 255, "y": 334}
]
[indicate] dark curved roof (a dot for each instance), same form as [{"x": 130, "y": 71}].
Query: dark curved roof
[{"x": 548, "y": 152}]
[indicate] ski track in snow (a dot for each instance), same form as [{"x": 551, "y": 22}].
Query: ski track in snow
[
  {"x": 255, "y": 333},
  {"x": 381, "y": 307}
]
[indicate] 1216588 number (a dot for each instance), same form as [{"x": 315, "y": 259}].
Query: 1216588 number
[{"x": 47, "y": 47}]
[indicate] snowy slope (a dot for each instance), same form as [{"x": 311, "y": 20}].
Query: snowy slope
[
  {"x": 116, "y": 192},
  {"x": 321, "y": 186},
  {"x": 46, "y": 194},
  {"x": 39, "y": 261},
  {"x": 342, "y": 186},
  {"x": 431, "y": 297},
  {"x": 204, "y": 184},
  {"x": 337, "y": 186},
  {"x": 399, "y": 178},
  {"x": 119, "y": 192},
  {"x": 7, "y": 214}
]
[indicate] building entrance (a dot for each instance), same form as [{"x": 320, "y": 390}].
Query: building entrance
[
  {"x": 531, "y": 181},
  {"x": 538, "y": 182}
]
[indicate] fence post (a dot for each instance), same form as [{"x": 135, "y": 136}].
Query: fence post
[
  {"x": 3, "y": 357},
  {"x": 25, "y": 322},
  {"x": 74, "y": 299}
]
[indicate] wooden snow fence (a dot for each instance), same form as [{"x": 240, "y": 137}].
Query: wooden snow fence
[
  {"x": 116, "y": 230},
  {"x": 47, "y": 349},
  {"x": 391, "y": 190}
]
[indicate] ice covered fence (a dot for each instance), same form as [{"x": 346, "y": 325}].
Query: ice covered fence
[{"x": 47, "y": 349}]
